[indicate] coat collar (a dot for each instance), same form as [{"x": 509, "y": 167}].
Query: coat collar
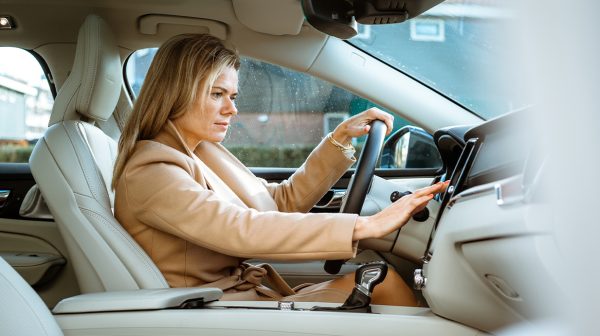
[
  {"x": 170, "y": 136},
  {"x": 250, "y": 190}
]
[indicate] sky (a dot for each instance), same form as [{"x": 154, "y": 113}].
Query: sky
[{"x": 19, "y": 64}]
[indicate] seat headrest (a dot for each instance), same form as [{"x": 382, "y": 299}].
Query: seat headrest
[{"x": 93, "y": 86}]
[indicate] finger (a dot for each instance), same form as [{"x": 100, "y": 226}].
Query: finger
[
  {"x": 445, "y": 185},
  {"x": 387, "y": 118},
  {"x": 427, "y": 190},
  {"x": 419, "y": 203},
  {"x": 357, "y": 130},
  {"x": 389, "y": 122},
  {"x": 411, "y": 202},
  {"x": 359, "y": 124},
  {"x": 432, "y": 189},
  {"x": 421, "y": 206},
  {"x": 374, "y": 112}
]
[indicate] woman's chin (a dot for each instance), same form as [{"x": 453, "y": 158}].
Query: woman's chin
[{"x": 217, "y": 137}]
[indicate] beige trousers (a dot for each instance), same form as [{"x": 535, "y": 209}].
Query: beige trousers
[{"x": 392, "y": 291}]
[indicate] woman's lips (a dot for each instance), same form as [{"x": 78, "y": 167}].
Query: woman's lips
[{"x": 222, "y": 125}]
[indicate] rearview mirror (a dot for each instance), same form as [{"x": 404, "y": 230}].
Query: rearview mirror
[
  {"x": 339, "y": 17},
  {"x": 333, "y": 17},
  {"x": 411, "y": 147}
]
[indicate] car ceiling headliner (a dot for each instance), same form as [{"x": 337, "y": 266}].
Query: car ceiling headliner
[{"x": 57, "y": 21}]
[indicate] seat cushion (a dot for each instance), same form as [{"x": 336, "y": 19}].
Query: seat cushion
[{"x": 22, "y": 312}]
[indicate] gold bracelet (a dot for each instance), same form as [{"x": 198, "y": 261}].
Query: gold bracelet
[{"x": 343, "y": 148}]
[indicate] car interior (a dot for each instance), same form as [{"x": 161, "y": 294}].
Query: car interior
[{"x": 477, "y": 256}]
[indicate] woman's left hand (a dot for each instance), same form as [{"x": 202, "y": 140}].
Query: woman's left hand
[{"x": 358, "y": 125}]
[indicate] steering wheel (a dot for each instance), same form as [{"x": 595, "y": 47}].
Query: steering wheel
[{"x": 361, "y": 180}]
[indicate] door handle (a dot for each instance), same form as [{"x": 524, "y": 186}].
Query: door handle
[
  {"x": 4, "y": 197},
  {"x": 336, "y": 196}
]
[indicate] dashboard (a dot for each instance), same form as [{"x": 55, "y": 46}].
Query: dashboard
[
  {"x": 474, "y": 156},
  {"x": 486, "y": 258},
  {"x": 489, "y": 152}
]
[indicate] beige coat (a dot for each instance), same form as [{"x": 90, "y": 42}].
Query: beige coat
[{"x": 200, "y": 214}]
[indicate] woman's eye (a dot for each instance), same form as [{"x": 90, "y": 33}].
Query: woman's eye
[{"x": 217, "y": 94}]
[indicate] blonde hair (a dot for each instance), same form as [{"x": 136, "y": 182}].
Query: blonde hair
[{"x": 182, "y": 72}]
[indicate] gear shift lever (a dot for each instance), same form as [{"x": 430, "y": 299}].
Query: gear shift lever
[{"x": 367, "y": 277}]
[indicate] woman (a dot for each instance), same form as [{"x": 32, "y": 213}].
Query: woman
[{"x": 199, "y": 213}]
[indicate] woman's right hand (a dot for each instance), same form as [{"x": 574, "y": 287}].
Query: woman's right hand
[{"x": 397, "y": 214}]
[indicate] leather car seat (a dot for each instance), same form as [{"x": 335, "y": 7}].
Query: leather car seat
[
  {"x": 22, "y": 311},
  {"x": 73, "y": 166}
]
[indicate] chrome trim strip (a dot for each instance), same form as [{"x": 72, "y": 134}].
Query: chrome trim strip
[
  {"x": 475, "y": 191},
  {"x": 285, "y": 305},
  {"x": 509, "y": 191},
  {"x": 4, "y": 196}
]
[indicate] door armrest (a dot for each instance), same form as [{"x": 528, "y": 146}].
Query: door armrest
[{"x": 37, "y": 269}]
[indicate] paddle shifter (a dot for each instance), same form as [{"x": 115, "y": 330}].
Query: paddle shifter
[{"x": 367, "y": 277}]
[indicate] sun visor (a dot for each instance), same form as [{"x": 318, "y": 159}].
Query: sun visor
[
  {"x": 169, "y": 25},
  {"x": 275, "y": 17}
]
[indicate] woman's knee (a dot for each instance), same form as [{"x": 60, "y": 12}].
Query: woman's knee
[{"x": 393, "y": 291}]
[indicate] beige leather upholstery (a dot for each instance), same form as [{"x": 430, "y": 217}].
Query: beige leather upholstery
[
  {"x": 22, "y": 312},
  {"x": 95, "y": 78},
  {"x": 73, "y": 165}
]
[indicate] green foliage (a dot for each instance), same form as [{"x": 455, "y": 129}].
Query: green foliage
[
  {"x": 15, "y": 153},
  {"x": 251, "y": 156},
  {"x": 256, "y": 156}
]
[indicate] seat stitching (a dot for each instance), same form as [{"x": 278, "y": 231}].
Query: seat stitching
[
  {"x": 77, "y": 148},
  {"x": 94, "y": 167},
  {"x": 46, "y": 142},
  {"x": 127, "y": 239},
  {"x": 91, "y": 70}
]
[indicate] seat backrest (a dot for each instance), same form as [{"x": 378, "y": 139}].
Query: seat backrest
[
  {"x": 22, "y": 312},
  {"x": 73, "y": 166}
]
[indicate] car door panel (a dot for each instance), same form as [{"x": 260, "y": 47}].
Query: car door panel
[
  {"x": 410, "y": 178},
  {"x": 410, "y": 242},
  {"x": 37, "y": 268},
  {"x": 15, "y": 181}
]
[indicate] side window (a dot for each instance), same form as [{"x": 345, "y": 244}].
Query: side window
[
  {"x": 283, "y": 114},
  {"x": 25, "y": 104}
]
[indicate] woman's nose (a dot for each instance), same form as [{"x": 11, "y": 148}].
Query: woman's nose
[{"x": 230, "y": 107}]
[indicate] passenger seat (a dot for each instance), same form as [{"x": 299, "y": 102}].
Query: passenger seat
[{"x": 73, "y": 166}]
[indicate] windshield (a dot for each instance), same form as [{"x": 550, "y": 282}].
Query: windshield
[{"x": 457, "y": 48}]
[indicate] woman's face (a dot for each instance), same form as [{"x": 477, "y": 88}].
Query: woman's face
[{"x": 212, "y": 122}]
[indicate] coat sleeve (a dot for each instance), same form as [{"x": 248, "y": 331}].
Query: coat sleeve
[
  {"x": 164, "y": 195},
  {"x": 324, "y": 166}
]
